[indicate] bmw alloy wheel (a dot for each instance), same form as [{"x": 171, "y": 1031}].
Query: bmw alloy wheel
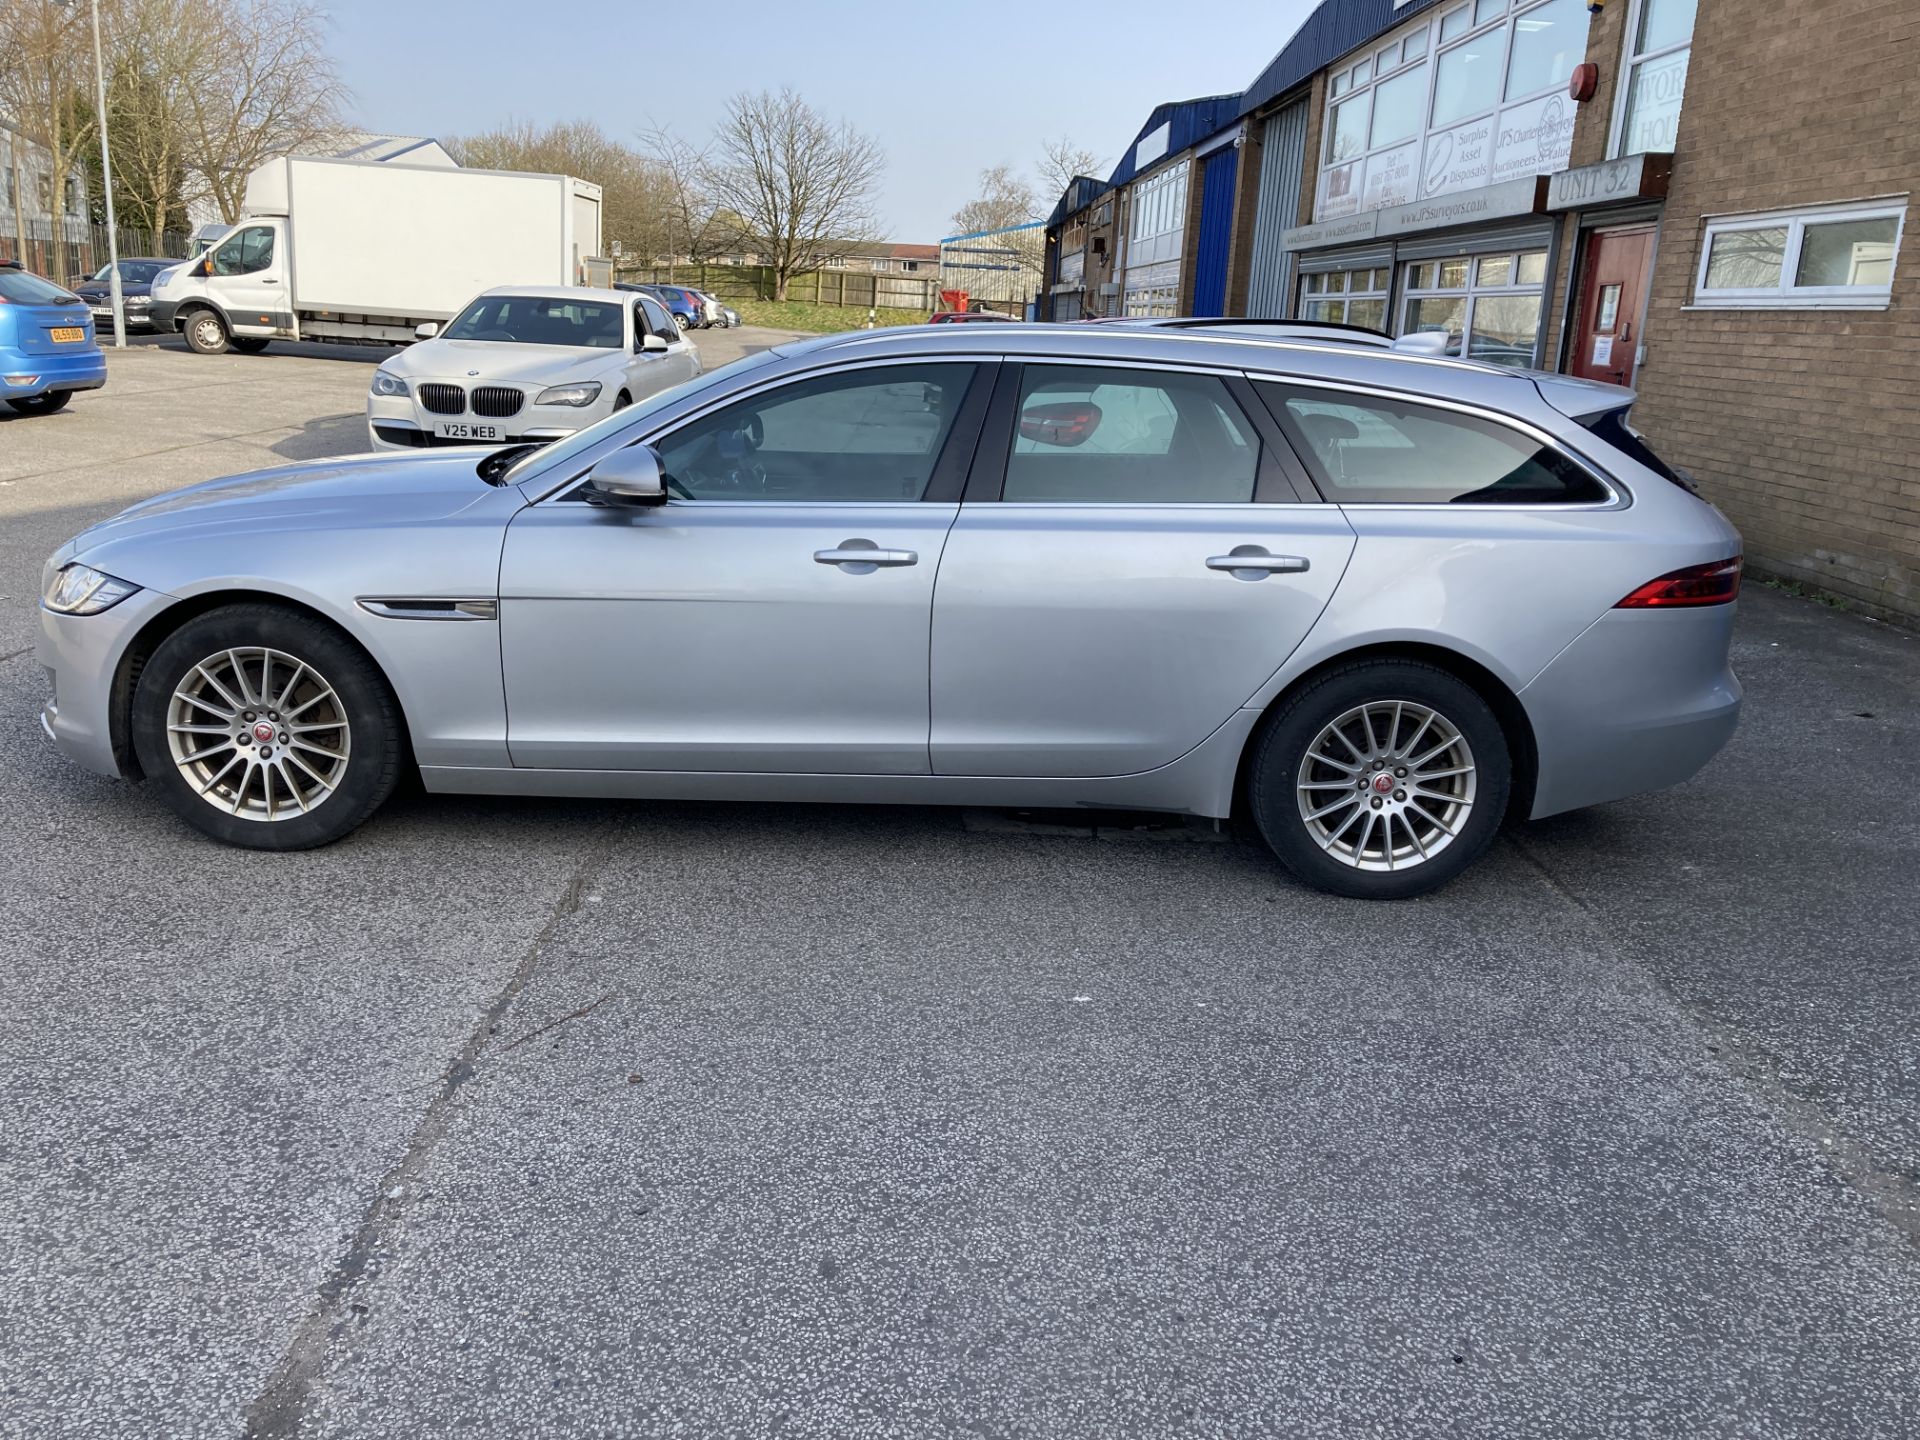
[
  {"x": 259, "y": 734},
  {"x": 1386, "y": 786}
]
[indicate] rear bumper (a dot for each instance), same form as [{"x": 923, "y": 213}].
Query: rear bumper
[
  {"x": 22, "y": 376},
  {"x": 1639, "y": 702}
]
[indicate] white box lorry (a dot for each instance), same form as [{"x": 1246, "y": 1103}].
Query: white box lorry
[{"x": 364, "y": 251}]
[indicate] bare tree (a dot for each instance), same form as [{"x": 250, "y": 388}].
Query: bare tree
[
  {"x": 1005, "y": 200},
  {"x": 635, "y": 196},
  {"x": 801, "y": 185},
  {"x": 269, "y": 89},
  {"x": 161, "y": 49},
  {"x": 1061, "y": 162},
  {"x": 696, "y": 225},
  {"x": 46, "y": 85}
]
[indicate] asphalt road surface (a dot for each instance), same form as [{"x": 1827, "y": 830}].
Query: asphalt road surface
[{"x": 509, "y": 1118}]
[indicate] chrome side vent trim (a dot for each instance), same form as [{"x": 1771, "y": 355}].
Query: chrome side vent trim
[{"x": 419, "y": 607}]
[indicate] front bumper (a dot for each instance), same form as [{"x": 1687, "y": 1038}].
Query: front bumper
[
  {"x": 1640, "y": 702},
  {"x": 82, "y": 654},
  {"x": 23, "y": 376},
  {"x": 396, "y": 422},
  {"x": 160, "y": 315}
]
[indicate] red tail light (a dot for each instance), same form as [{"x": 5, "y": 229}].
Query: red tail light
[{"x": 1714, "y": 583}]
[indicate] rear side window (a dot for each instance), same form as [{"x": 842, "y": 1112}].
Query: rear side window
[
  {"x": 1613, "y": 427},
  {"x": 1365, "y": 449},
  {"x": 1090, "y": 435}
]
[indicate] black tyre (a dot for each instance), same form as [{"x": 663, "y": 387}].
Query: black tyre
[
  {"x": 206, "y": 332},
  {"x": 683, "y": 322},
  {"x": 250, "y": 344},
  {"x": 266, "y": 728},
  {"x": 43, "y": 404},
  {"x": 1381, "y": 779},
  {"x": 622, "y": 400}
]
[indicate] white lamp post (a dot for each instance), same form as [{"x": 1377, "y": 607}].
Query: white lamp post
[{"x": 106, "y": 181}]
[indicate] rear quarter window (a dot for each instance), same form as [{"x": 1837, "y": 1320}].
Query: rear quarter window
[{"x": 1368, "y": 449}]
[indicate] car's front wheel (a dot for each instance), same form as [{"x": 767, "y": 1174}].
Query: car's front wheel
[
  {"x": 1381, "y": 779},
  {"x": 43, "y": 404},
  {"x": 206, "y": 333},
  {"x": 266, "y": 728}
]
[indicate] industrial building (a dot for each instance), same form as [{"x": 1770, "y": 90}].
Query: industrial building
[{"x": 1704, "y": 200}]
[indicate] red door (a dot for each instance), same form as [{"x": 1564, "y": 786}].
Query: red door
[{"x": 1612, "y": 295}]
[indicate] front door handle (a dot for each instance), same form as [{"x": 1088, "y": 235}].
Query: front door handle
[
  {"x": 1254, "y": 562},
  {"x": 863, "y": 557}
]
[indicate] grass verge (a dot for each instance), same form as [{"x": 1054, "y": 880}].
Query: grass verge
[{"x": 818, "y": 319}]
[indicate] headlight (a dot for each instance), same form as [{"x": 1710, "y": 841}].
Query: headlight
[
  {"x": 82, "y": 590},
  {"x": 385, "y": 384},
  {"x": 584, "y": 393},
  {"x": 133, "y": 300}
]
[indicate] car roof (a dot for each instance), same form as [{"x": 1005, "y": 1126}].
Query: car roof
[
  {"x": 558, "y": 292},
  {"x": 1338, "y": 360}
]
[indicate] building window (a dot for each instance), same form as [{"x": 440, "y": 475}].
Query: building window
[
  {"x": 1472, "y": 99},
  {"x": 1656, "y": 76},
  {"x": 1352, "y": 297},
  {"x": 1159, "y": 216},
  {"x": 1492, "y": 301},
  {"x": 1836, "y": 257}
]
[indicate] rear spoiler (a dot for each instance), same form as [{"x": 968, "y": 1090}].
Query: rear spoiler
[{"x": 1581, "y": 400}]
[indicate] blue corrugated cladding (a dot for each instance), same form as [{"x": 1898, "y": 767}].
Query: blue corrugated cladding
[{"x": 1216, "y": 231}]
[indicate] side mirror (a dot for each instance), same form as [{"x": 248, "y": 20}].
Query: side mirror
[
  {"x": 629, "y": 476},
  {"x": 652, "y": 344},
  {"x": 426, "y": 330}
]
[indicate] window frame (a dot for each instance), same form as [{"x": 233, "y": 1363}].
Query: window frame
[
  {"x": 1471, "y": 291},
  {"x": 1787, "y": 295},
  {"x": 1630, "y": 63},
  {"x": 1279, "y": 478},
  {"x": 1431, "y": 19},
  {"x": 1270, "y": 390},
  {"x": 1346, "y": 296}
]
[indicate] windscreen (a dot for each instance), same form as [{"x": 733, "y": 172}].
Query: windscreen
[{"x": 541, "y": 320}]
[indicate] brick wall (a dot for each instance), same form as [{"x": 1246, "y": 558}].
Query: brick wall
[{"x": 1804, "y": 426}]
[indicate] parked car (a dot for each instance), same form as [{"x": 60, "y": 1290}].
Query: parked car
[
  {"x": 1375, "y": 601},
  {"x": 136, "y": 290},
  {"x": 46, "y": 344},
  {"x": 687, "y": 311},
  {"x": 964, "y": 317},
  {"x": 716, "y": 310},
  {"x": 523, "y": 363}
]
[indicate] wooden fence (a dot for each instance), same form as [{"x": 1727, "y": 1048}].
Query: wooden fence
[{"x": 857, "y": 289}]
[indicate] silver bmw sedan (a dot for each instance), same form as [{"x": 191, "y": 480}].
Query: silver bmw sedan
[{"x": 1376, "y": 602}]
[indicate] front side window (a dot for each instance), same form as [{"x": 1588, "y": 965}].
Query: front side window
[
  {"x": 1824, "y": 257},
  {"x": 540, "y": 320},
  {"x": 248, "y": 252},
  {"x": 656, "y": 319},
  {"x": 1656, "y": 81},
  {"x": 873, "y": 434},
  {"x": 1364, "y": 449},
  {"x": 1093, "y": 435}
]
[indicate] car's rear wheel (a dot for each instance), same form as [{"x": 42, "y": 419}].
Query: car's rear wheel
[
  {"x": 250, "y": 344},
  {"x": 206, "y": 333},
  {"x": 1381, "y": 779},
  {"x": 683, "y": 322},
  {"x": 43, "y": 404},
  {"x": 266, "y": 728}
]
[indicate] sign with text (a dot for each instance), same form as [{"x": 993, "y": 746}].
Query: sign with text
[
  {"x": 1457, "y": 159},
  {"x": 1390, "y": 177},
  {"x": 1533, "y": 139}
]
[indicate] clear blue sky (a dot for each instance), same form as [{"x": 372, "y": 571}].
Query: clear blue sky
[{"x": 1020, "y": 72}]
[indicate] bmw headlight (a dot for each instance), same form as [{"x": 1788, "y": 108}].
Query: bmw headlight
[
  {"x": 82, "y": 590},
  {"x": 584, "y": 393},
  {"x": 385, "y": 384}
]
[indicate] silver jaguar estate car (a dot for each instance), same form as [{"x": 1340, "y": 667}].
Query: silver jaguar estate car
[{"x": 1376, "y": 602}]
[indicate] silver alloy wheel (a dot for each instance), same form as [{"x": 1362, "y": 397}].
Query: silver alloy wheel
[
  {"x": 259, "y": 734},
  {"x": 1386, "y": 786}
]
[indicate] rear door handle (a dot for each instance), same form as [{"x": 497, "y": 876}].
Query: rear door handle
[
  {"x": 863, "y": 557},
  {"x": 1253, "y": 562}
]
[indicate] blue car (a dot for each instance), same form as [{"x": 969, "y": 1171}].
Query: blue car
[
  {"x": 46, "y": 344},
  {"x": 679, "y": 302}
]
